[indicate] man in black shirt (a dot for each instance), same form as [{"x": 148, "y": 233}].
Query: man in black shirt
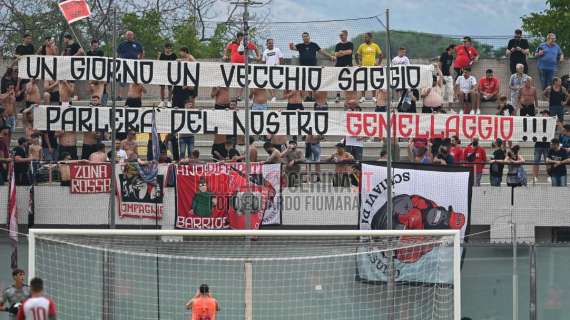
[
  {"x": 557, "y": 159},
  {"x": 22, "y": 162},
  {"x": 446, "y": 60},
  {"x": 343, "y": 53},
  {"x": 71, "y": 48},
  {"x": 26, "y": 47},
  {"x": 166, "y": 55},
  {"x": 497, "y": 165},
  {"x": 308, "y": 54},
  {"x": 517, "y": 50},
  {"x": 95, "y": 50}
]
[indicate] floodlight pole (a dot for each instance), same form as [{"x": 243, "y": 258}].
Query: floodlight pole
[{"x": 113, "y": 188}]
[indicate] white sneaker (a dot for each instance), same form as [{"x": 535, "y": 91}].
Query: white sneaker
[
  {"x": 549, "y": 180},
  {"x": 478, "y": 111},
  {"x": 362, "y": 99},
  {"x": 169, "y": 104},
  {"x": 273, "y": 99},
  {"x": 161, "y": 104},
  {"x": 461, "y": 111},
  {"x": 472, "y": 112}
]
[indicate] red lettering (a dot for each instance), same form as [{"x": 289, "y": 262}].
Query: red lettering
[
  {"x": 433, "y": 133},
  {"x": 383, "y": 125},
  {"x": 506, "y": 127},
  {"x": 469, "y": 131},
  {"x": 452, "y": 126},
  {"x": 419, "y": 134},
  {"x": 353, "y": 130},
  {"x": 369, "y": 123},
  {"x": 402, "y": 125},
  {"x": 485, "y": 124}
]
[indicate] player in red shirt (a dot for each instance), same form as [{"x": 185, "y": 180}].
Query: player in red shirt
[
  {"x": 489, "y": 87},
  {"x": 37, "y": 307},
  {"x": 236, "y": 50},
  {"x": 476, "y": 155},
  {"x": 203, "y": 306},
  {"x": 465, "y": 56}
]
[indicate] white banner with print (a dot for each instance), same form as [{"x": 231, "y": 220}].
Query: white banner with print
[
  {"x": 215, "y": 74},
  {"x": 418, "y": 203},
  {"x": 332, "y": 123}
]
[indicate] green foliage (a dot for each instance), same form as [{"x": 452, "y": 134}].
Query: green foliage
[
  {"x": 555, "y": 18},
  {"x": 423, "y": 45},
  {"x": 146, "y": 29},
  {"x": 184, "y": 35}
]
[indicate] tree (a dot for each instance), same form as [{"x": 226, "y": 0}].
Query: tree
[
  {"x": 555, "y": 18},
  {"x": 146, "y": 29}
]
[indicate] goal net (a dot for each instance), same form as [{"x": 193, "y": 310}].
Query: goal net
[{"x": 260, "y": 274}]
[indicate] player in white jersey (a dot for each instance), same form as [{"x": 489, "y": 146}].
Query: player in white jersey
[{"x": 37, "y": 307}]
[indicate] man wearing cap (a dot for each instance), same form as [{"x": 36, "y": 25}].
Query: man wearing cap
[{"x": 203, "y": 305}]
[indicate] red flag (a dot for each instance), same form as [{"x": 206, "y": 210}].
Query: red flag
[
  {"x": 74, "y": 10},
  {"x": 12, "y": 215}
]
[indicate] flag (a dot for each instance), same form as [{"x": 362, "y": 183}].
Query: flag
[
  {"x": 74, "y": 10},
  {"x": 12, "y": 216}
]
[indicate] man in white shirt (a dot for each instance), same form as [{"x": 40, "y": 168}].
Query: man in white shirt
[
  {"x": 467, "y": 93},
  {"x": 272, "y": 56},
  {"x": 401, "y": 58}
]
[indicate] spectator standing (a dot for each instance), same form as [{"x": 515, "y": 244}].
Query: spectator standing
[
  {"x": 135, "y": 95},
  {"x": 221, "y": 96},
  {"x": 66, "y": 92},
  {"x": 99, "y": 155},
  {"x": 259, "y": 99},
  {"x": 443, "y": 157},
  {"x": 71, "y": 47},
  {"x": 95, "y": 51},
  {"x": 272, "y": 56},
  {"x": 48, "y": 48},
  {"x": 166, "y": 91},
  {"x": 22, "y": 162},
  {"x": 4, "y": 154},
  {"x": 528, "y": 99},
  {"x": 186, "y": 140},
  {"x": 517, "y": 51},
  {"x": 433, "y": 97},
  {"x": 236, "y": 49},
  {"x": 342, "y": 171},
  {"x": 516, "y": 83},
  {"x": 355, "y": 146},
  {"x": 67, "y": 144},
  {"x": 540, "y": 151},
  {"x": 294, "y": 99},
  {"x": 565, "y": 137},
  {"x": 467, "y": 93},
  {"x": 49, "y": 146},
  {"x": 308, "y": 54},
  {"x": 8, "y": 102},
  {"x": 488, "y": 87},
  {"x": 465, "y": 56},
  {"x": 456, "y": 151},
  {"x": 292, "y": 158},
  {"x": 401, "y": 58},
  {"x": 26, "y": 48},
  {"x": 548, "y": 54},
  {"x": 368, "y": 54},
  {"x": 557, "y": 98},
  {"x": 343, "y": 53},
  {"x": 516, "y": 175},
  {"x": 129, "y": 49},
  {"x": 446, "y": 61},
  {"x": 557, "y": 158},
  {"x": 274, "y": 155},
  {"x": 182, "y": 94},
  {"x": 497, "y": 163},
  {"x": 476, "y": 157}
]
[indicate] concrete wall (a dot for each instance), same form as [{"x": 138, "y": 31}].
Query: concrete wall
[{"x": 535, "y": 206}]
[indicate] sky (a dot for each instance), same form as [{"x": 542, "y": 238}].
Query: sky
[{"x": 457, "y": 17}]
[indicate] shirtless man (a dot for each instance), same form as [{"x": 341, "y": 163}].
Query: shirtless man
[
  {"x": 321, "y": 101},
  {"x": 66, "y": 92},
  {"x": 51, "y": 92},
  {"x": 89, "y": 145},
  {"x": 260, "y": 98},
  {"x": 279, "y": 142},
  {"x": 274, "y": 154},
  {"x": 219, "y": 151},
  {"x": 32, "y": 93},
  {"x": 97, "y": 88},
  {"x": 35, "y": 148},
  {"x": 8, "y": 101},
  {"x": 294, "y": 99},
  {"x": 351, "y": 102},
  {"x": 381, "y": 100},
  {"x": 130, "y": 144},
  {"x": 67, "y": 144},
  {"x": 134, "y": 95},
  {"x": 221, "y": 96},
  {"x": 528, "y": 99},
  {"x": 99, "y": 155}
]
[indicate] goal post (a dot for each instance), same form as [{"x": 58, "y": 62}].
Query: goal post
[{"x": 255, "y": 274}]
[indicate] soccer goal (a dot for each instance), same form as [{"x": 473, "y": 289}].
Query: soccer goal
[{"x": 254, "y": 274}]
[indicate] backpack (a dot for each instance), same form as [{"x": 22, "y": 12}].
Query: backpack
[{"x": 516, "y": 176}]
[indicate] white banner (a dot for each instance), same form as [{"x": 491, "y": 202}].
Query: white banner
[
  {"x": 417, "y": 204},
  {"x": 215, "y": 74},
  {"x": 332, "y": 123}
]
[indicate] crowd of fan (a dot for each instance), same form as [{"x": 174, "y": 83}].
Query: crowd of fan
[{"x": 452, "y": 77}]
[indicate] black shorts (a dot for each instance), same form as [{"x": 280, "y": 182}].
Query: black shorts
[
  {"x": 381, "y": 109},
  {"x": 29, "y": 104},
  {"x": 87, "y": 150},
  {"x": 528, "y": 110},
  {"x": 221, "y": 106},
  {"x": 72, "y": 150},
  {"x": 295, "y": 106},
  {"x": 321, "y": 108},
  {"x": 133, "y": 103},
  {"x": 54, "y": 96},
  {"x": 280, "y": 147},
  {"x": 431, "y": 109}
]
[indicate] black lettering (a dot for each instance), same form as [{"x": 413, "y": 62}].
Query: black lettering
[
  {"x": 410, "y": 76},
  {"x": 406, "y": 176},
  {"x": 128, "y": 72},
  {"x": 237, "y": 123},
  {"x": 273, "y": 77},
  {"x": 177, "y": 120},
  {"x": 228, "y": 80},
  {"x": 77, "y": 68},
  {"x": 256, "y": 128},
  {"x": 169, "y": 72},
  {"x": 119, "y": 120},
  {"x": 53, "y": 116},
  {"x": 289, "y": 77},
  {"x": 193, "y": 117},
  {"x": 146, "y": 71},
  {"x": 272, "y": 126},
  {"x": 84, "y": 118},
  {"x": 69, "y": 117},
  {"x": 315, "y": 78},
  {"x": 188, "y": 75},
  {"x": 147, "y": 115},
  {"x": 131, "y": 119},
  {"x": 263, "y": 70},
  {"x": 321, "y": 122},
  {"x": 344, "y": 79},
  {"x": 288, "y": 115},
  {"x": 376, "y": 77},
  {"x": 206, "y": 128},
  {"x": 241, "y": 76},
  {"x": 36, "y": 73},
  {"x": 46, "y": 69},
  {"x": 98, "y": 64},
  {"x": 303, "y": 120},
  {"x": 358, "y": 80}
]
